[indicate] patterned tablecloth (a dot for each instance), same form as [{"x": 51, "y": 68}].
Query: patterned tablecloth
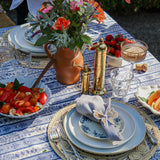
[{"x": 27, "y": 138}]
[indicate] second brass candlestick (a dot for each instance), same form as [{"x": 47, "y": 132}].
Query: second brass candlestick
[{"x": 99, "y": 68}]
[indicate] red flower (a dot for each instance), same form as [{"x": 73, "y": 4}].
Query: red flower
[{"x": 61, "y": 21}]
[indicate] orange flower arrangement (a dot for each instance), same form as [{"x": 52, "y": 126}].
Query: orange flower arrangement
[{"x": 64, "y": 22}]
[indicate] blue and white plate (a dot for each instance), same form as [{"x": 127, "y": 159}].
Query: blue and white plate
[
  {"x": 95, "y": 130},
  {"x": 28, "y": 36},
  {"x": 17, "y": 37},
  {"x": 28, "y": 82},
  {"x": 135, "y": 140},
  {"x": 129, "y": 129}
]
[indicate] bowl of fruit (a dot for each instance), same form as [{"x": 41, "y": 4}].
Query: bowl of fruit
[{"x": 19, "y": 100}]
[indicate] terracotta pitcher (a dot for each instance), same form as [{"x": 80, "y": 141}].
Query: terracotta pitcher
[{"x": 64, "y": 58}]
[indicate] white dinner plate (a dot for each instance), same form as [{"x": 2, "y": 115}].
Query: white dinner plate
[
  {"x": 142, "y": 95},
  {"x": 23, "y": 45},
  {"x": 28, "y": 82},
  {"x": 127, "y": 134},
  {"x": 132, "y": 143}
]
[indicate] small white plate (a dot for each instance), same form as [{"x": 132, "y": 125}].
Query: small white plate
[
  {"x": 28, "y": 82},
  {"x": 132, "y": 143},
  {"x": 142, "y": 95},
  {"x": 127, "y": 134},
  {"x": 95, "y": 130}
]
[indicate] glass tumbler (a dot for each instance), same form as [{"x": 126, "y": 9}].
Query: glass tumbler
[
  {"x": 22, "y": 62},
  {"x": 120, "y": 79},
  {"x": 7, "y": 52}
]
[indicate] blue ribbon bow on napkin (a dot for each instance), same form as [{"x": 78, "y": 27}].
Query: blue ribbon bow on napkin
[{"x": 94, "y": 108}]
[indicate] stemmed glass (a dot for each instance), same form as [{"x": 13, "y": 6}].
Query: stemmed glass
[{"x": 134, "y": 51}]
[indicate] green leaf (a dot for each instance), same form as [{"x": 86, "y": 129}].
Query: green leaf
[
  {"x": 42, "y": 40},
  {"x": 2, "y": 85},
  {"x": 17, "y": 84},
  {"x": 86, "y": 39},
  {"x": 44, "y": 15},
  {"x": 143, "y": 99}
]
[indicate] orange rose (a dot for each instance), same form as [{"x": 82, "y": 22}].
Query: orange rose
[{"x": 61, "y": 21}]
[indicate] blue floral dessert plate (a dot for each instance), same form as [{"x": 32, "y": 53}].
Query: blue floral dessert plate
[{"x": 95, "y": 130}]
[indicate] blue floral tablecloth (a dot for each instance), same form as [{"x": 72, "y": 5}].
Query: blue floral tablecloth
[{"x": 27, "y": 138}]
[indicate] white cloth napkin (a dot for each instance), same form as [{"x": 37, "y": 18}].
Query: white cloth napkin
[
  {"x": 33, "y": 5},
  {"x": 94, "y": 108}
]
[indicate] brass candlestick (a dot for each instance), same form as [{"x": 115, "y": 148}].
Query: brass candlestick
[
  {"x": 99, "y": 68},
  {"x": 85, "y": 77}
]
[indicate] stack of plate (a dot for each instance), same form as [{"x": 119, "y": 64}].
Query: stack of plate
[
  {"x": 89, "y": 135},
  {"x": 21, "y": 37}
]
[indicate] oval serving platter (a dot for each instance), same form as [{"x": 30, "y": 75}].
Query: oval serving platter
[{"x": 142, "y": 95}]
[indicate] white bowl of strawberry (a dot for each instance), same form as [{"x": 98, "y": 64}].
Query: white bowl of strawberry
[
  {"x": 19, "y": 100},
  {"x": 114, "y": 50}
]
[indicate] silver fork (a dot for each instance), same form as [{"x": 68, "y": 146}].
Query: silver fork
[
  {"x": 54, "y": 136},
  {"x": 63, "y": 135}
]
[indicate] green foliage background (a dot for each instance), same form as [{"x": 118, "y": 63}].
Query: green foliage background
[{"x": 119, "y": 6}]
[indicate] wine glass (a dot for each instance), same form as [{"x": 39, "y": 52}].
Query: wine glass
[{"x": 134, "y": 51}]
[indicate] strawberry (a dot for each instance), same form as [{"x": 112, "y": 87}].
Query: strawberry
[
  {"x": 112, "y": 50},
  {"x": 112, "y": 43},
  {"x": 117, "y": 53},
  {"x": 119, "y": 35},
  {"x": 93, "y": 48},
  {"x": 118, "y": 47},
  {"x": 106, "y": 42},
  {"x": 109, "y": 37}
]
